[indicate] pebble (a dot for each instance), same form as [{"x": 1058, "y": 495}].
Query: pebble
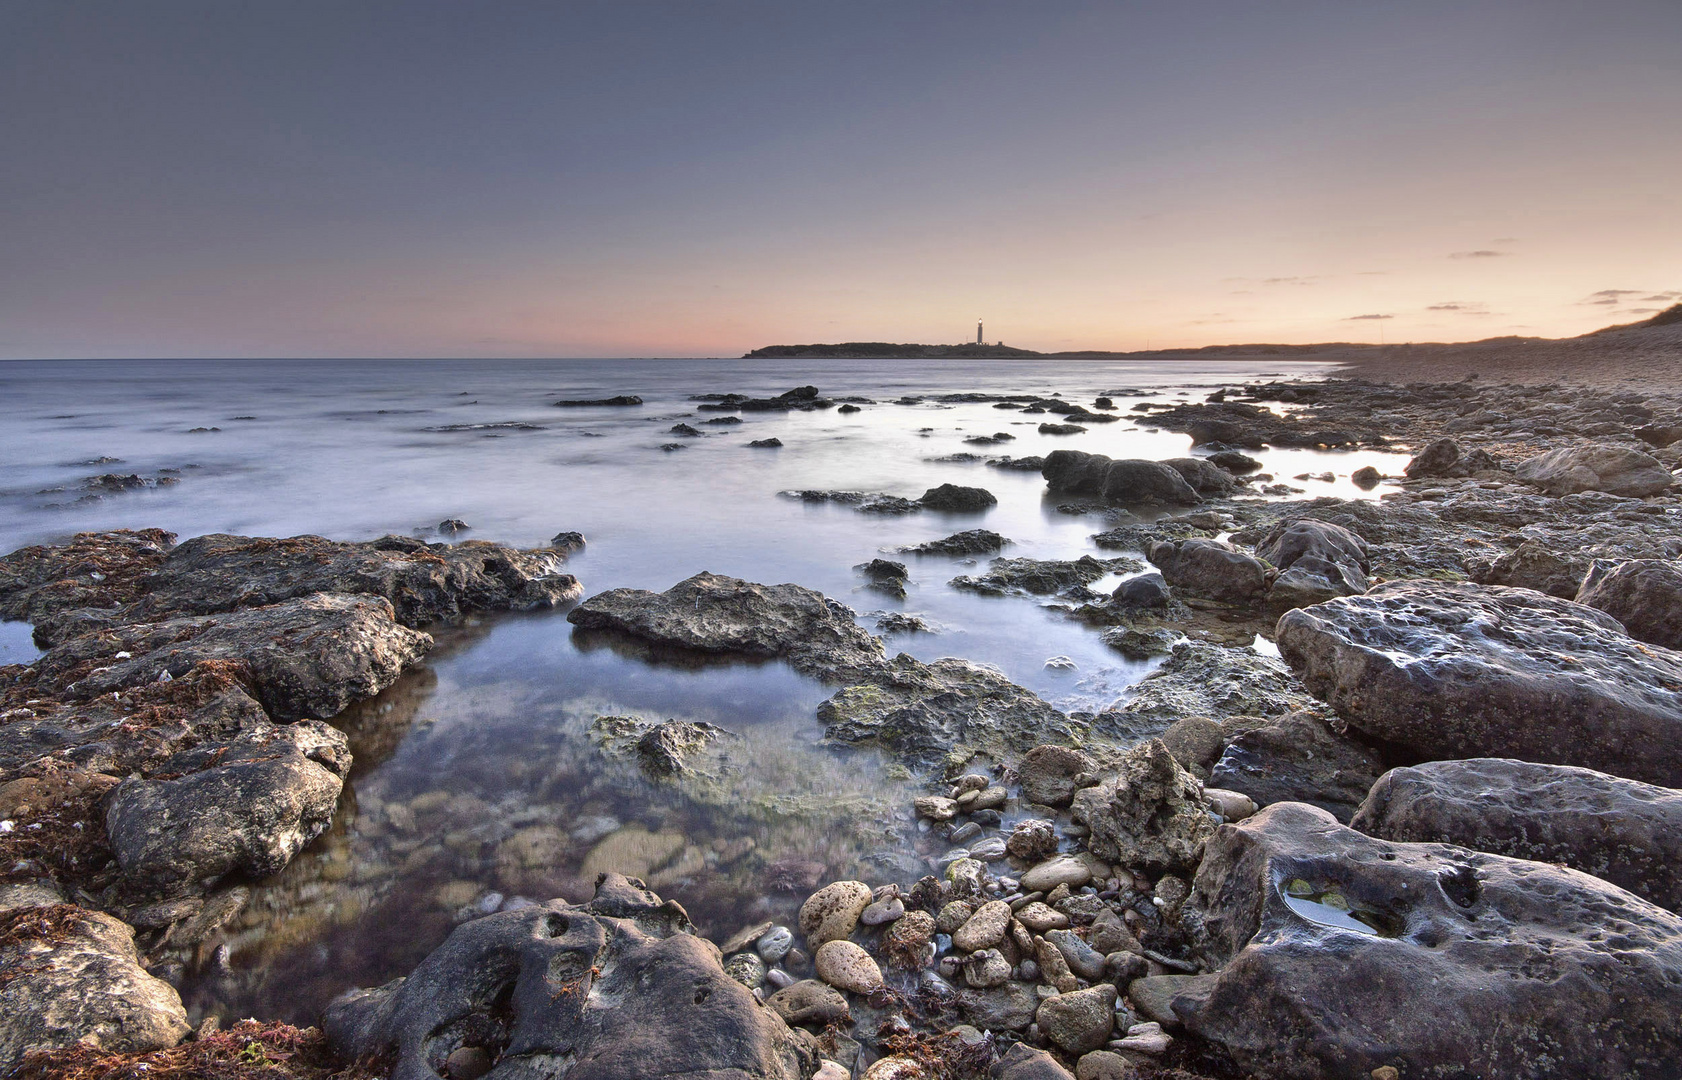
[
  {"x": 1039, "y": 918},
  {"x": 991, "y": 849},
  {"x": 832, "y": 1070},
  {"x": 778, "y": 978},
  {"x": 969, "y": 782},
  {"x": 1055, "y": 871},
  {"x": 883, "y": 911},
  {"x": 1104, "y": 1065},
  {"x": 467, "y": 1063},
  {"x": 1082, "y": 958},
  {"x": 953, "y": 915},
  {"x": 846, "y": 966},
  {"x": 990, "y": 799},
  {"x": 936, "y": 807},
  {"x": 1146, "y": 1038},
  {"x": 832, "y": 913},
  {"x": 774, "y": 944},
  {"x": 966, "y": 876},
  {"x": 746, "y": 968},
  {"x": 984, "y": 929},
  {"x": 969, "y": 830},
  {"x": 1017, "y": 903},
  {"x": 894, "y": 1068},
  {"x": 986, "y": 969},
  {"x": 1231, "y": 805},
  {"x": 1081, "y": 1021}
]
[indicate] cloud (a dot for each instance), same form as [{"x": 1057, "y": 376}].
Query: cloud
[
  {"x": 1644, "y": 310},
  {"x": 1663, "y": 296},
  {"x": 1461, "y": 308},
  {"x": 1482, "y": 253},
  {"x": 1358, "y": 318},
  {"x": 1610, "y": 301},
  {"x": 1446, "y": 307},
  {"x": 1505, "y": 240},
  {"x": 1288, "y": 281},
  {"x": 1615, "y": 294}
]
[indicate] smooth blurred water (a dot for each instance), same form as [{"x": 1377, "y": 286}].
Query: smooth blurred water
[{"x": 477, "y": 773}]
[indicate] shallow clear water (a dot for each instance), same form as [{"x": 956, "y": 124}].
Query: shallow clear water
[{"x": 485, "y": 751}]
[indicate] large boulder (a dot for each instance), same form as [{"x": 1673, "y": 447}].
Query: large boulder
[
  {"x": 1298, "y": 758},
  {"x": 1288, "y": 542},
  {"x": 1339, "y": 954},
  {"x": 1455, "y": 670},
  {"x": 712, "y": 613},
  {"x": 1615, "y": 470},
  {"x": 1212, "y": 569},
  {"x": 308, "y": 657},
  {"x": 921, "y": 712},
  {"x": 1148, "y": 814},
  {"x": 1129, "y": 480},
  {"x": 1445, "y": 458},
  {"x": 245, "y": 806},
  {"x": 70, "y": 976},
  {"x": 1204, "y": 478},
  {"x": 1643, "y": 594},
  {"x": 93, "y": 571},
  {"x": 957, "y": 499},
  {"x": 1048, "y": 773},
  {"x": 1623, "y": 831},
  {"x": 618, "y": 989}
]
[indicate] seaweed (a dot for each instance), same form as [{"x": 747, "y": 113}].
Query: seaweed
[{"x": 249, "y": 1050}]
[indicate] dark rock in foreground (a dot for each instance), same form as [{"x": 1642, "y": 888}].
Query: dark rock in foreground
[
  {"x": 71, "y": 976},
  {"x": 1128, "y": 480},
  {"x": 617, "y": 988},
  {"x": 971, "y": 542},
  {"x": 245, "y": 806},
  {"x": 1299, "y": 758},
  {"x": 1619, "y": 830},
  {"x": 1343, "y": 954},
  {"x": 717, "y": 614},
  {"x": 1645, "y": 595},
  {"x": 1461, "y": 670}
]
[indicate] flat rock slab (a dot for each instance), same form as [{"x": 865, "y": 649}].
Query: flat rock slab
[
  {"x": 618, "y": 988},
  {"x": 920, "y": 712},
  {"x": 1615, "y": 470},
  {"x": 309, "y": 657},
  {"x": 72, "y": 976},
  {"x": 1474, "y": 965},
  {"x": 1455, "y": 670},
  {"x": 1619, "y": 830},
  {"x": 716, "y": 614}
]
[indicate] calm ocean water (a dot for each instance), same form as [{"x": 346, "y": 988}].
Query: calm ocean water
[{"x": 477, "y": 779}]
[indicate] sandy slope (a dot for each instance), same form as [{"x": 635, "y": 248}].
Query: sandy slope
[{"x": 1641, "y": 358}]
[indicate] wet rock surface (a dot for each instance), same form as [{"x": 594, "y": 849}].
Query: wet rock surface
[
  {"x": 1129, "y": 480},
  {"x": 1299, "y": 758},
  {"x": 1339, "y": 954},
  {"x": 1462, "y": 670},
  {"x": 717, "y": 614},
  {"x": 592, "y": 990},
  {"x": 1624, "y": 832},
  {"x": 1645, "y": 595},
  {"x": 1041, "y": 577},
  {"x": 1615, "y": 470}
]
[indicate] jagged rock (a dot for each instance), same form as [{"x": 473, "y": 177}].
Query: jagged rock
[
  {"x": 1298, "y": 758},
  {"x": 920, "y": 712},
  {"x": 664, "y": 749},
  {"x": 71, "y": 976},
  {"x": 1128, "y": 480},
  {"x": 1288, "y": 542},
  {"x": 596, "y": 990},
  {"x": 970, "y": 542},
  {"x": 246, "y": 806},
  {"x": 308, "y": 657},
  {"x": 1531, "y": 566},
  {"x": 1339, "y": 954},
  {"x": 718, "y": 614},
  {"x": 1009, "y": 1007},
  {"x": 1041, "y": 577},
  {"x": 1211, "y": 568},
  {"x": 956, "y": 499},
  {"x": 1080, "y": 1021},
  {"x": 1619, "y": 830},
  {"x": 1615, "y": 470},
  {"x": 567, "y": 543},
  {"x": 1234, "y": 462},
  {"x": 1645, "y": 595},
  {"x": 94, "y": 571},
  {"x": 425, "y": 583},
  {"x": 1454, "y": 670},
  {"x": 1149, "y": 814},
  {"x": 1047, "y": 774}
]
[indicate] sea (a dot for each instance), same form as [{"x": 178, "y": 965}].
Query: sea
[{"x": 483, "y": 779}]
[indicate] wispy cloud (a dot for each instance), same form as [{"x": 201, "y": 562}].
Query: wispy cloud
[
  {"x": 1663, "y": 296},
  {"x": 1288, "y": 281},
  {"x": 1460, "y": 307},
  {"x": 1360, "y": 318},
  {"x": 1481, "y": 253}
]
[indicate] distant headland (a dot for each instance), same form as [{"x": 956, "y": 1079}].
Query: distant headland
[{"x": 884, "y": 350}]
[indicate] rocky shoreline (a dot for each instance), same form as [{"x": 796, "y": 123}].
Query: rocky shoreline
[{"x": 1431, "y": 838}]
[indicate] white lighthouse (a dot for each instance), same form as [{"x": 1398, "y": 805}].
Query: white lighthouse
[{"x": 979, "y": 340}]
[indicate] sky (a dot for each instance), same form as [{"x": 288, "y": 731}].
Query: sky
[{"x": 358, "y": 178}]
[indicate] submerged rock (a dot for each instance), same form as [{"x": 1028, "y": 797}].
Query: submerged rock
[
  {"x": 1127, "y": 480},
  {"x": 921, "y": 712},
  {"x": 1339, "y": 955},
  {"x": 554, "y": 989},
  {"x": 309, "y": 657},
  {"x": 956, "y": 499},
  {"x": 1619, "y": 830},
  {"x": 578, "y": 403},
  {"x": 1615, "y": 470},
  {"x": 245, "y": 806},
  {"x": 1200, "y": 679},
  {"x": 717, "y": 614},
  {"x": 1041, "y": 577},
  {"x": 1453, "y": 670},
  {"x": 1645, "y": 595},
  {"x": 70, "y": 976}
]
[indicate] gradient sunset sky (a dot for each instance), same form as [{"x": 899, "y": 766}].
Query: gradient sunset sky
[{"x": 347, "y": 178}]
